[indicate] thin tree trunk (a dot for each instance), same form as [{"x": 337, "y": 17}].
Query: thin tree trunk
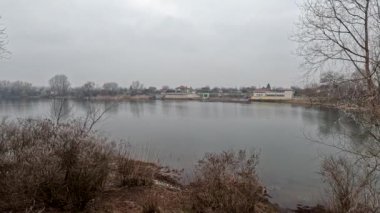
[{"x": 370, "y": 83}]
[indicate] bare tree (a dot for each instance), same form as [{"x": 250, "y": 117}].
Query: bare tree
[
  {"x": 60, "y": 109},
  {"x": 89, "y": 86},
  {"x": 332, "y": 78},
  {"x": 111, "y": 86},
  {"x": 61, "y": 112},
  {"x": 59, "y": 85},
  {"x": 341, "y": 33},
  {"x": 16, "y": 89},
  {"x": 94, "y": 114},
  {"x": 136, "y": 85},
  {"x": 87, "y": 90}
]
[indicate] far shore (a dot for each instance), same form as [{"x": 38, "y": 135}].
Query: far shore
[{"x": 301, "y": 101}]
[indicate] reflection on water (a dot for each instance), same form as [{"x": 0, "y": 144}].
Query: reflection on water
[
  {"x": 179, "y": 133},
  {"x": 60, "y": 110}
]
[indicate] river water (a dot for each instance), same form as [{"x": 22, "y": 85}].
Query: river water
[{"x": 180, "y": 133}]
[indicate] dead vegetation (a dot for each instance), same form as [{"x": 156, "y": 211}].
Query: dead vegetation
[
  {"x": 43, "y": 164},
  {"x": 227, "y": 182},
  {"x": 62, "y": 165},
  {"x": 48, "y": 166}
]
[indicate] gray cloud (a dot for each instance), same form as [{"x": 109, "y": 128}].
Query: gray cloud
[{"x": 159, "y": 42}]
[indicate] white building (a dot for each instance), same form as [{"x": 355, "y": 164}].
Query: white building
[
  {"x": 181, "y": 96},
  {"x": 272, "y": 95}
]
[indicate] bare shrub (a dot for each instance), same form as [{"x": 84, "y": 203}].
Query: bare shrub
[
  {"x": 353, "y": 177},
  {"x": 352, "y": 185},
  {"x": 47, "y": 164},
  {"x": 226, "y": 182},
  {"x": 339, "y": 174}
]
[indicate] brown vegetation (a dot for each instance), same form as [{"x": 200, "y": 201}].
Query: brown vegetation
[
  {"x": 352, "y": 189},
  {"x": 227, "y": 182},
  {"x": 43, "y": 164},
  {"x": 48, "y": 166}
]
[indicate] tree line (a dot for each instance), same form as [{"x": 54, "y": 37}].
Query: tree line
[{"x": 60, "y": 86}]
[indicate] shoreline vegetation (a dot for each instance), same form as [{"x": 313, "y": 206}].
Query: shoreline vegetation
[
  {"x": 51, "y": 166},
  {"x": 326, "y": 95},
  {"x": 300, "y": 101},
  {"x": 60, "y": 87}
]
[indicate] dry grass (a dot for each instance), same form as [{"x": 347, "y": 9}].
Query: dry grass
[
  {"x": 151, "y": 204},
  {"x": 52, "y": 167},
  {"x": 130, "y": 172}
]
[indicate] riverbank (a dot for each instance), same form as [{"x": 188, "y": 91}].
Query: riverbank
[
  {"x": 298, "y": 100},
  {"x": 161, "y": 196},
  {"x": 67, "y": 167},
  {"x": 322, "y": 103}
]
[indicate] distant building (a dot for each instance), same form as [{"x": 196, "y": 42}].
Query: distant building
[
  {"x": 181, "y": 93},
  {"x": 272, "y": 95},
  {"x": 205, "y": 95},
  {"x": 184, "y": 89},
  {"x": 181, "y": 96}
]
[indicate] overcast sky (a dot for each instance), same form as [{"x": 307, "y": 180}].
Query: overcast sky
[{"x": 158, "y": 42}]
